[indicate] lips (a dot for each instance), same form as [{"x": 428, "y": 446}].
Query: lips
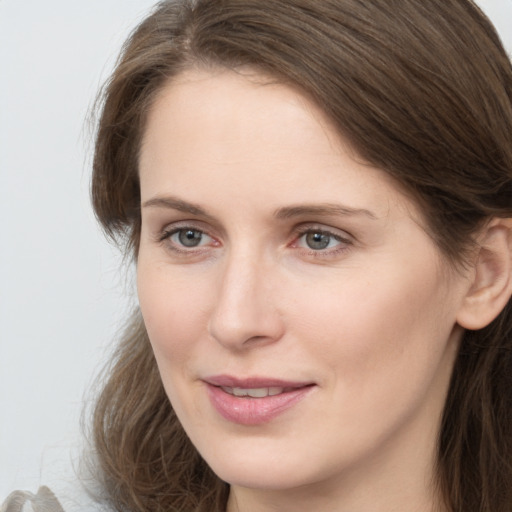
[{"x": 253, "y": 401}]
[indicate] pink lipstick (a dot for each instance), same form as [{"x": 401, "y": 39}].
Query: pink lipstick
[{"x": 253, "y": 401}]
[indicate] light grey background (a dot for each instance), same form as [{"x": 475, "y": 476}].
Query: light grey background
[{"x": 62, "y": 288}]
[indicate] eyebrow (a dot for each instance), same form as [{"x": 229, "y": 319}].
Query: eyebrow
[
  {"x": 174, "y": 203},
  {"x": 284, "y": 213},
  {"x": 322, "y": 210}
]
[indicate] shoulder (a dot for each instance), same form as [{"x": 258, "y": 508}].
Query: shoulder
[{"x": 22, "y": 501}]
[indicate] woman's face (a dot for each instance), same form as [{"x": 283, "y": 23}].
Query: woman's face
[{"x": 303, "y": 322}]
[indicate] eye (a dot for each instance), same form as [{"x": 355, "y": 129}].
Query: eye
[
  {"x": 187, "y": 237},
  {"x": 317, "y": 241},
  {"x": 320, "y": 240}
]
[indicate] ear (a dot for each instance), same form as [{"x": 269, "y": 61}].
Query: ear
[{"x": 491, "y": 278}]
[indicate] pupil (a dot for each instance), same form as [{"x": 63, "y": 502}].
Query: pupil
[
  {"x": 317, "y": 240},
  {"x": 190, "y": 237}
]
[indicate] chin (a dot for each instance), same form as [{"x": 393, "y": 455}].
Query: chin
[
  {"x": 261, "y": 477},
  {"x": 261, "y": 464}
]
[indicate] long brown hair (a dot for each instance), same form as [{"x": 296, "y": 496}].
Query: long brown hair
[{"x": 423, "y": 91}]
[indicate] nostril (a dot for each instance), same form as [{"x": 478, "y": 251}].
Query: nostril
[
  {"x": 244, "y": 314},
  {"x": 254, "y": 331}
]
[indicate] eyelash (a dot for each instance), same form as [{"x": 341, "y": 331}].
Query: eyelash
[
  {"x": 299, "y": 233},
  {"x": 344, "y": 242},
  {"x": 167, "y": 234}
]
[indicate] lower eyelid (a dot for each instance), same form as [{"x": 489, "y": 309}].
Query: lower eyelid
[{"x": 326, "y": 254}]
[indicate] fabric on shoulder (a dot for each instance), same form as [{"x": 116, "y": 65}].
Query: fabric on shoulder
[{"x": 23, "y": 501}]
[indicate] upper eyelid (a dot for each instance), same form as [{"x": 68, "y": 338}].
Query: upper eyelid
[
  {"x": 169, "y": 231},
  {"x": 332, "y": 232},
  {"x": 188, "y": 222},
  {"x": 185, "y": 224},
  {"x": 312, "y": 227}
]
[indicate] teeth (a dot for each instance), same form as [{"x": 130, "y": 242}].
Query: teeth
[{"x": 253, "y": 392}]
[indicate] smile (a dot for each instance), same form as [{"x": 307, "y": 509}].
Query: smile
[
  {"x": 254, "y": 392},
  {"x": 254, "y": 401}
]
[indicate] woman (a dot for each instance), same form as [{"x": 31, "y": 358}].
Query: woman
[{"x": 318, "y": 199}]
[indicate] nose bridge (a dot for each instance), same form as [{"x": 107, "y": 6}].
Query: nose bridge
[{"x": 245, "y": 311}]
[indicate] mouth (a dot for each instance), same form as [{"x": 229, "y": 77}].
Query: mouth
[
  {"x": 256, "y": 392},
  {"x": 253, "y": 401}
]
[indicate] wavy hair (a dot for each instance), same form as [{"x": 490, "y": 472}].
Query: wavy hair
[{"x": 423, "y": 91}]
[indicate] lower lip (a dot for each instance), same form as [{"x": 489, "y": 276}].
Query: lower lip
[{"x": 254, "y": 411}]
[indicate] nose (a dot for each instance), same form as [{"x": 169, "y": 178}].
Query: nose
[{"x": 246, "y": 313}]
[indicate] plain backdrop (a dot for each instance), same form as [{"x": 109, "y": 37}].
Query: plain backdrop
[{"x": 63, "y": 290}]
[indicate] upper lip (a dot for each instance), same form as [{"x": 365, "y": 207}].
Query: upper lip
[{"x": 253, "y": 382}]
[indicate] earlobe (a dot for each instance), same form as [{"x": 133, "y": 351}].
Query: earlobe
[{"x": 491, "y": 283}]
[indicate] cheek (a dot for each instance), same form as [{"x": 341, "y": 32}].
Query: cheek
[
  {"x": 175, "y": 310},
  {"x": 376, "y": 330},
  {"x": 383, "y": 347}
]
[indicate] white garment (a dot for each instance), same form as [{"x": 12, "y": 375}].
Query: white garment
[
  {"x": 23, "y": 501},
  {"x": 74, "y": 499}
]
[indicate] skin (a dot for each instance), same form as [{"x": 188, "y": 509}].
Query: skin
[{"x": 371, "y": 319}]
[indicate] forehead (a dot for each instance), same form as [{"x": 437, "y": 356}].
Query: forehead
[
  {"x": 248, "y": 103},
  {"x": 252, "y": 133}
]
